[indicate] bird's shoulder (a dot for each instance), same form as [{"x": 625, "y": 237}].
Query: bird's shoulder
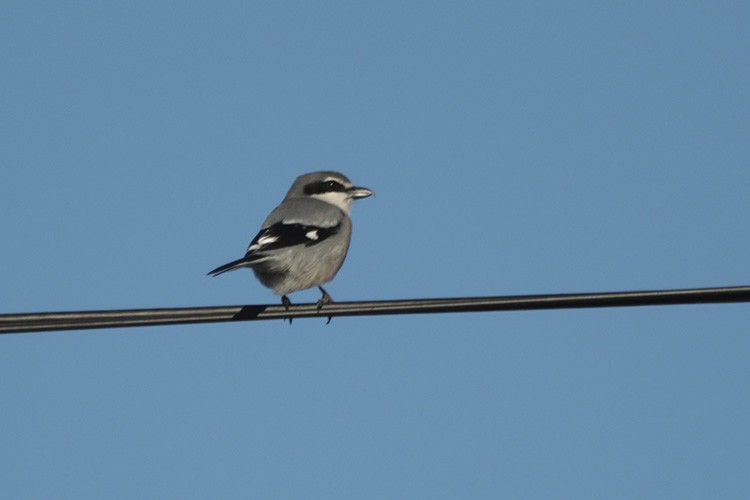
[
  {"x": 306, "y": 211},
  {"x": 298, "y": 222}
]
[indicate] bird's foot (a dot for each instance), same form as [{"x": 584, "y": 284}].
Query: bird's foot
[
  {"x": 325, "y": 299},
  {"x": 286, "y": 303}
]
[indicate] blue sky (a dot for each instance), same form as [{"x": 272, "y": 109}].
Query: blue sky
[{"x": 515, "y": 148}]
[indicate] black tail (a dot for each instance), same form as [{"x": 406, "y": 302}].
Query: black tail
[{"x": 231, "y": 266}]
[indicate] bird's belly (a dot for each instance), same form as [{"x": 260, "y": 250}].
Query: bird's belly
[{"x": 300, "y": 270}]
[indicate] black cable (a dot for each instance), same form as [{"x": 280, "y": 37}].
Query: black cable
[{"x": 37, "y": 322}]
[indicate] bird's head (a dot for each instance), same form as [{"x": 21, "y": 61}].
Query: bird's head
[{"x": 332, "y": 187}]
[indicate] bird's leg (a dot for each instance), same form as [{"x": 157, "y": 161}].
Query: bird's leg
[
  {"x": 325, "y": 299},
  {"x": 286, "y": 303}
]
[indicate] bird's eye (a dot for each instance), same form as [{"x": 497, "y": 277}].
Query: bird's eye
[{"x": 323, "y": 187}]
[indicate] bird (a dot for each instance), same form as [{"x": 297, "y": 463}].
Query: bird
[{"x": 303, "y": 241}]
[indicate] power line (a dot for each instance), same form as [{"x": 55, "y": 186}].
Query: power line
[{"x": 54, "y": 321}]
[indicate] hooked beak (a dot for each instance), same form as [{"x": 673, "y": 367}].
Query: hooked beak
[{"x": 360, "y": 192}]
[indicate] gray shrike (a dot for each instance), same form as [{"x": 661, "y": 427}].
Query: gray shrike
[{"x": 304, "y": 240}]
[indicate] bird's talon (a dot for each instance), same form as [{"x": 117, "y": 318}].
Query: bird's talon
[
  {"x": 286, "y": 303},
  {"x": 326, "y": 299}
]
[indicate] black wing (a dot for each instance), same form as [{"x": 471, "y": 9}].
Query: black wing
[
  {"x": 281, "y": 235},
  {"x": 278, "y": 236}
]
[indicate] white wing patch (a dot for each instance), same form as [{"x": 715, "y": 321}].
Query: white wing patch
[
  {"x": 262, "y": 241},
  {"x": 312, "y": 235}
]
